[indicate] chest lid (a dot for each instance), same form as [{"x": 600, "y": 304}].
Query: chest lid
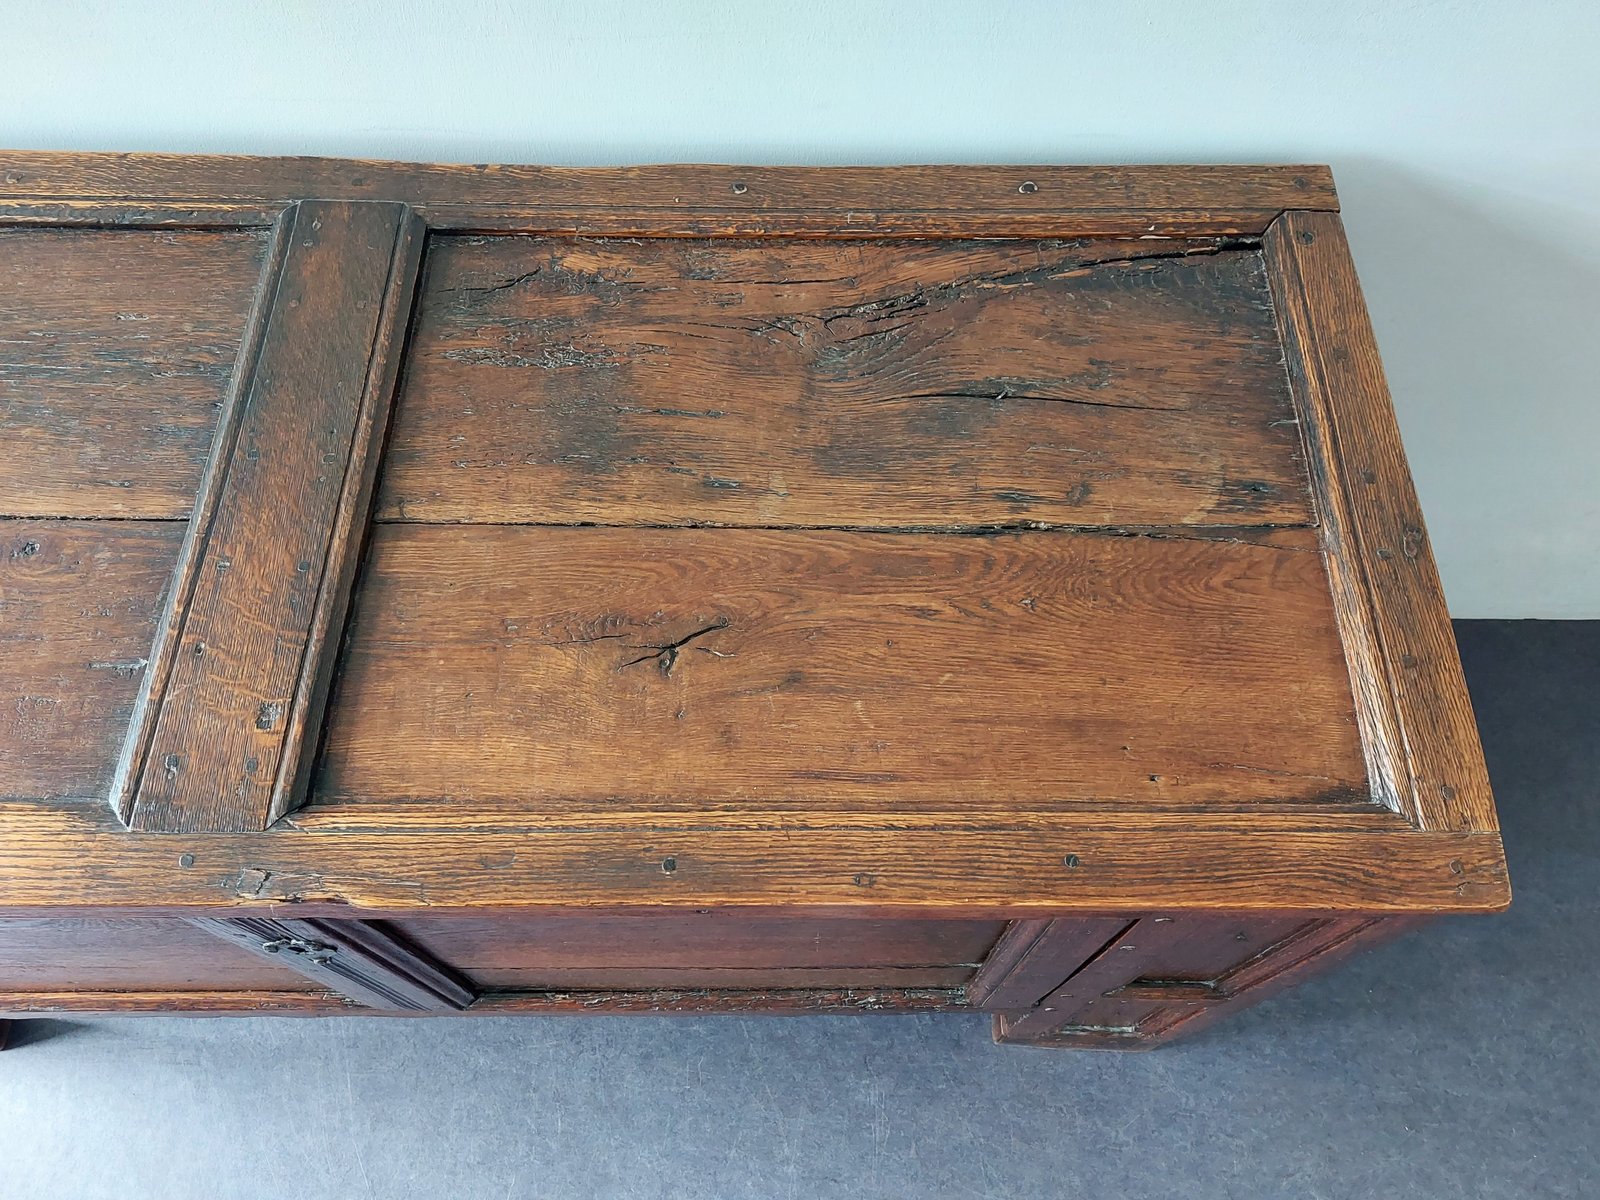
[{"x": 920, "y": 538}]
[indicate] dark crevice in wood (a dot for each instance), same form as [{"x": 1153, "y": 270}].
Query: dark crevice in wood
[
  {"x": 1193, "y": 533},
  {"x": 892, "y": 306},
  {"x": 502, "y": 286},
  {"x": 1021, "y": 398},
  {"x": 693, "y": 1000},
  {"x": 665, "y": 655}
]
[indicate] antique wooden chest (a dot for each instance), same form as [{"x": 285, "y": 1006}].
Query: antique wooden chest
[{"x": 508, "y": 589}]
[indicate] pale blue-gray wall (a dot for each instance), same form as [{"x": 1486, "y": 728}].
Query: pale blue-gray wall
[{"x": 1465, "y": 138}]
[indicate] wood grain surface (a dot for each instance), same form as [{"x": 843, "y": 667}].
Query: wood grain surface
[
  {"x": 1032, "y": 958},
  {"x": 128, "y": 954},
  {"x": 116, "y": 350},
  {"x": 240, "y": 665},
  {"x": 848, "y": 670},
  {"x": 681, "y": 200},
  {"x": 1417, "y": 723},
  {"x": 853, "y": 383},
  {"x": 1172, "y": 955},
  {"x": 79, "y": 605},
  {"x": 960, "y": 870},
  {"x": 917, "y": 589}
]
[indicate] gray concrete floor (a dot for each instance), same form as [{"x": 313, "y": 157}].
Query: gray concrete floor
[{"x": 1463, "y": 1061}]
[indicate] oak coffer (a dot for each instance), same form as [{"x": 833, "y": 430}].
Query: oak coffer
[{"x": 512, "y": 589}]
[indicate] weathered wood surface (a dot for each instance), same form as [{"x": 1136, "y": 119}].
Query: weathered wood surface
[
  {"x": 79, "y": 606},
  {"x": 859, "y": 383},
  {"x": 116, "y": 350},
  {"x": 1132, "y": 756},
  {"x": 1417, "y": 723},
  {"x": 956, "y": 869},
  {"x": 948, "y": 201},
  {"x": 239, "y": 669},
  {"x": 846, "y": 670}
]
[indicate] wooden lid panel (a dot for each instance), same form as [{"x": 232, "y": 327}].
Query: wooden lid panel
[
  {"x": 557, "y": 671},
  {"x": 117, "y": 348},
  {"x": 80, "y": 602},
  {"x": 795, "y": 383},
  {"x": 883, "y": 542}
]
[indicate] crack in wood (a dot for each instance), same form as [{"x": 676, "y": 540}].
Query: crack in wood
[{"x": 665, "y": 656}]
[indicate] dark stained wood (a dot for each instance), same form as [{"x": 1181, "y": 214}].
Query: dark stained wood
[
  {"x": 1417, "y": 724},
  {"x": 1145, "y": 1012},
  {"x": 850, "y": 383},
  {"x": 116, "y": 350},
  {"x": 1033, "y": 957},
  {"x": 128, "y": 954},
  {"x": 743, "y": 1001},
  {"x": 360, "y": 960},
  {"x": 938, "y": 201},
  {"x": 239, "y": 672},
  {"x": 1315, "y": 949},
  {"x": 719, "y": 948},
  {"x": 557, "y": 667},
  {"x": 79, "y": 606},
  {"x": 1165, "y": 948},
  {"x": 643, "y": 979},
  {"x": 235, "y": 1002}
]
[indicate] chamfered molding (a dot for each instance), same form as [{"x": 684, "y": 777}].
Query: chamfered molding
[
  {"x": 227, "y": 717},
  {"x": 1424, "y": 758}
]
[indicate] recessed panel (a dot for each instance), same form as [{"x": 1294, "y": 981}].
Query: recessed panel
[
  {"x": 783, "y": 382},
  {"x": 117, "y": 347}
]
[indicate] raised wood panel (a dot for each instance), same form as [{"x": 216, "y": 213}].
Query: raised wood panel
[
  {"x": 596, "y": 667},
  {"x": 131, "y": 953},
  {"x": 1164, "y": 961},
  {"x": 79, "y": 606},
  {"x": 240, "y": 667},
  {"x": 1154, "y": 950},
  {"x": 1033, "y": 957},
  {"x": 116, "y": 350},
  {"x": 363, "y": 961},
  {"x": 861, "y": 383},
  {"x": 1422, "y": 742},
  {"x": 1170, "y": 975}
]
